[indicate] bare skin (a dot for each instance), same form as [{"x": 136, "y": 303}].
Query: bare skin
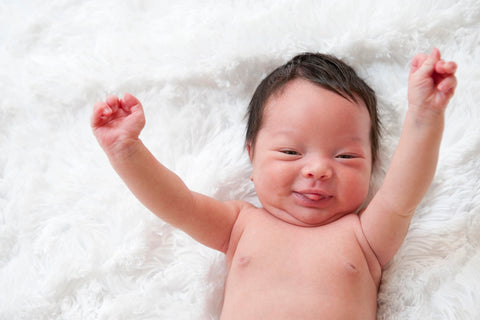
[
  {"x": 282, "y": 271},
  {"x": 305, "y": 254}
]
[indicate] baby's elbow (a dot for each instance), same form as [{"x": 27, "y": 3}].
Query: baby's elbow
[{"x": 407, "y": 212}]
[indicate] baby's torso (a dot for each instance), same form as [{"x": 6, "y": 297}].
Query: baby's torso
[{"x": 281, "y": 271}]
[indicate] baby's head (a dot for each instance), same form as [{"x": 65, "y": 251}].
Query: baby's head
[{"x": 325, "y": 71}]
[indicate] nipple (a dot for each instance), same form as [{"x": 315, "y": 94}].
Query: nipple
[
  {"x": 244, "y": 261},
  {"x": 351, "y": 267}
]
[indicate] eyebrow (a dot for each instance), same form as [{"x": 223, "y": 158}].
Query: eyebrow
[
  {"x": 285, "y": 132},
  {"x": 356, "y": 138},
  {"x": 289, "y": 132}
]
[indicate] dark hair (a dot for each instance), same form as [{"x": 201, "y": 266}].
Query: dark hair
[{"x": 324, "y": 70}]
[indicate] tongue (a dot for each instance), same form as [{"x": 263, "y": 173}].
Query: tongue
[{"x": 313, "y": 196}]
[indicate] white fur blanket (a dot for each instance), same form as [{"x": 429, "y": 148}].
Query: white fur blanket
[{"x": 75, "y": 244}]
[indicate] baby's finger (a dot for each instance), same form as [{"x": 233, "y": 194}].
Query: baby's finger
[
  {"x": 101, "y": 112},
  {"x": 417, "y": 61},
  {"x": 113, "y": 102},
  {"x": 443, "y": 67},
  {"x": 129, "y": 101},
  {"x": 426, "y": 69},
  {"x": 440, "y": 67},
  {"x": 449, "y": 83},
  {"x": 450, "y": 67}
]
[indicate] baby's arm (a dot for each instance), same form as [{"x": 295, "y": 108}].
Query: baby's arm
[
  {"x": 117, "y": 124},
  {"x": 386, "y": 219}
]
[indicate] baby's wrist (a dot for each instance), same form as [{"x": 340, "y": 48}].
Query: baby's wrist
[
  {"x": 124, "y": 149},
  {"x": 426, "y": 115}
]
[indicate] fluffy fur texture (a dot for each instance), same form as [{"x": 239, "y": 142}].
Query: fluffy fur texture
[{"x": 75, "y": 244}]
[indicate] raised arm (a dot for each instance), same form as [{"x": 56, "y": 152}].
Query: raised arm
[
  {"x": 386, "y": 219},
  {"x": 117, "y": 124}
]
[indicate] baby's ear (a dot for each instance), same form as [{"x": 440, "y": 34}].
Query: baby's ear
[{"x": 250, "y": 151}]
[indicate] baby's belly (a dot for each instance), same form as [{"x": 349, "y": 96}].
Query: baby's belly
[{"x": 295, "y": 291}]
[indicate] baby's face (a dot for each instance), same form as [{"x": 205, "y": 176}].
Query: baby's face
[{"x": 312, "y": 159}]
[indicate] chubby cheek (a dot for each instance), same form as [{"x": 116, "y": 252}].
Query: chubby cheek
[
  {"x": 271, "y": 180},
  {"x": 355, "y": 187}
]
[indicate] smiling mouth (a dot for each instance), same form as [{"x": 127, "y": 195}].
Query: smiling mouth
[
  {"x": 312, "y": 199},
  {"x": 314, "y": 196}
]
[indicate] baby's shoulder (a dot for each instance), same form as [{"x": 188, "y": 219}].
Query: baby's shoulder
[
  {"x": 350, "y": 219},
  {"x": 249, "y": 215},
  {"x": 351, "y": 223},
  {"x": 348, "y": 223},
  {"x": 240, "y": 206}
]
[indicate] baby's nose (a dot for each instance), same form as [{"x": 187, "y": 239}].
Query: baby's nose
[{"x": 318, "y": 170}]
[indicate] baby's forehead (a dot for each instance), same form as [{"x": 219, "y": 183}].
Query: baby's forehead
[{"x": 292, "y": 86}]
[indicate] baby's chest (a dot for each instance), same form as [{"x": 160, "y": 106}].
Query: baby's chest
[
  {"x": 309, "y": 272},
  {"x": 300, "y": 254}
]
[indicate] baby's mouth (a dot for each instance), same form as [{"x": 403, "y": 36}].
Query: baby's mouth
[
  {"x": 314, "y": 196},
  {"x": 312, "y": 200}
]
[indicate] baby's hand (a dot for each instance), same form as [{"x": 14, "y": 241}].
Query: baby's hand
[
  {"x": 431, "y": 82},
  {"x": 117, "y": 122}
]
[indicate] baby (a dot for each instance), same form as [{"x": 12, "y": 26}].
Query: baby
[{"x": 315, "y": 249}]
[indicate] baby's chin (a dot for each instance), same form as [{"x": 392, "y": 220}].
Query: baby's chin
[{"x": 307, "y": 220}]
